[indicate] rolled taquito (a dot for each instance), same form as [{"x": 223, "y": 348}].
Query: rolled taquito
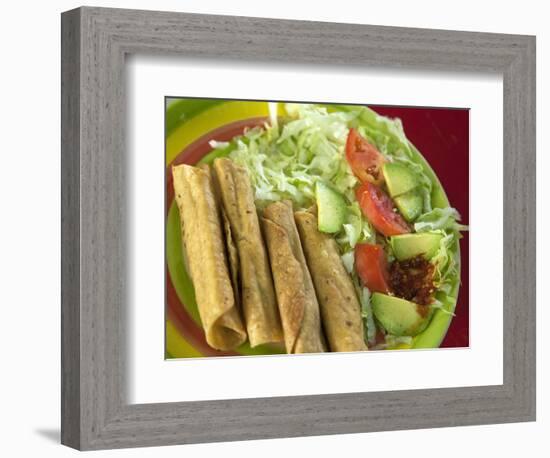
[
  {"x": 206, "y": 257},
  {"x": 296, "y": 298},
  {"x": 232, "y": 255},
  {"x": 340, "y": 308},
  {"x": 256, "y": 294}
]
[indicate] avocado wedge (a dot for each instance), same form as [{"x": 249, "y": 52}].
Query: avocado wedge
[
  {"x": 410, "y": 205},
  {"x": 399, "y": 179},
  {"x": 408, "y": 246},
  {"x": 400, "y": 317},
  {"x": 331, "y": 207}
]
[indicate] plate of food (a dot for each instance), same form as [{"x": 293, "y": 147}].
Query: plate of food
[{"x": 303, "y": 228}]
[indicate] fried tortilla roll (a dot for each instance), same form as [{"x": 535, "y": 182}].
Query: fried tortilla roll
[
  {"x": 298, "y": 304},
  {"x": 232, "y": 255},
  {"x": 340, "y": 308},
  {"x": 256, "y": 295},
  {"x": 206, "y": 257}
]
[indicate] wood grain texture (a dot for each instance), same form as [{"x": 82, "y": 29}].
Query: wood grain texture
[
  {"x": 70, "y": 229},
  {"x": 95, "y": 410}
]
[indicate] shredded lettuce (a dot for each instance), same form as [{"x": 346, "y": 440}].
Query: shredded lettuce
[
  {"x": 309, "y": 148},
  {"x": 368, "y": 316},
  {"x": 439, "y": 219},
  {"x": 348, "y": 259},
  {"x": 355, "y": 230}
]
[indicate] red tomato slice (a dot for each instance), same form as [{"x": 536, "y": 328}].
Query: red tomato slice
[
  {"x": 364, "y": 159},
  {"x": 378, "y": 208},
  {"x": 372, "y": 267}
]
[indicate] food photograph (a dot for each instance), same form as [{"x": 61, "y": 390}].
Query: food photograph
[{"x": 295, "y": 228}]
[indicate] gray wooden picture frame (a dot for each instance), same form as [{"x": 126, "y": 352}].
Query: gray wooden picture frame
[{"x": 95, "y": 412}]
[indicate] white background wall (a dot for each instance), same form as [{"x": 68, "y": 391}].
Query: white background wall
[{"x": 30, "y": 227}]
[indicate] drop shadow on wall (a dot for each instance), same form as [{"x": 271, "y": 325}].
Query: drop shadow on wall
[{"x": 53, "y": 435}]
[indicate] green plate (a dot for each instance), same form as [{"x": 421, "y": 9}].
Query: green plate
[{"x": 189, "y": 124}]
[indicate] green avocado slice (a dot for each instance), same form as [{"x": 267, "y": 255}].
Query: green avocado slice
[
  {"x": 410, "y": 205},
  {"x": 399, "y": 179},
  {"x": 408, "y": 246},
  {"x": 400, "y": 317},
  {"x": 331, "y": 208}
]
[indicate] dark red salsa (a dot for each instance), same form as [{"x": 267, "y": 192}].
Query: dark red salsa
[{"x": 413, "y": 280}]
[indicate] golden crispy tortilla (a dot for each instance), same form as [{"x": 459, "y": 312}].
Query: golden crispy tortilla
[
  {"x": 340, "y": 308},
  {"x": 206, "y": 257},
  {"x": 232, "y": 257},
  {"x": 298, "y": 304},
  {"x": 256, "y": 294},
  {"x": 232, "y": 254}
]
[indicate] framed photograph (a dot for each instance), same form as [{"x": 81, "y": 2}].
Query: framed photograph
[{"x": 278, "y": 228}]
